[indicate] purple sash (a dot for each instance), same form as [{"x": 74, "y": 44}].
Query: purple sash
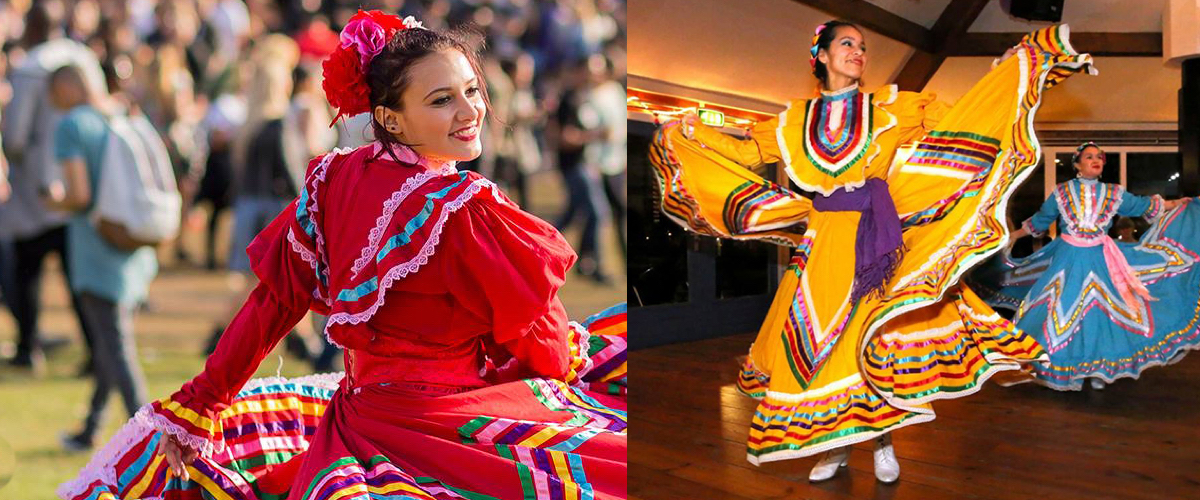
[{"x": 878, "y": 247}]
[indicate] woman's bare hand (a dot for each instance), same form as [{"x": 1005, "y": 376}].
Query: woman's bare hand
[
  {"x": 178, "y": 456},
  {"x": 1008, "y": 53}
]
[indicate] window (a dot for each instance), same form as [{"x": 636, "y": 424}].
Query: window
[
  {"x": 1153, "y": 173},
  {"x": 1143, "y": 170},
  {"x": 658, "y": 270}
]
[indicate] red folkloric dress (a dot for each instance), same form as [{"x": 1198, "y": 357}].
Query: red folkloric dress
[{"x": 464, "y": 378}]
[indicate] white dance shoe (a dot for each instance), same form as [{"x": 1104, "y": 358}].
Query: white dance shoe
[
  {"x": 1097, "y": 383},
  {"x": 887, "y": 469},
  {"x": 829, "y": 464}
]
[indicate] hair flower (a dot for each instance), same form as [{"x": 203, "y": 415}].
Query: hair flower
[
  {"x": 365, "y": 36},
  {"x": 345, "y": 71}
]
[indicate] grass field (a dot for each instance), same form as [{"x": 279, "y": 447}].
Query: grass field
[{"x": 185, "y": 302}]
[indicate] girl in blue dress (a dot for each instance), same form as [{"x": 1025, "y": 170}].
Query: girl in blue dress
[{"x": 1103, "y": 310}]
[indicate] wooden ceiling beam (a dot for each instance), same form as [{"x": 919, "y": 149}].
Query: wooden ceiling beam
[
  {"x": 955, "y": 20},
  {"x": 1096, "y": 44},
  {"x": 918, "y": 70},
  {"x": 877, "y": 19},
  {"x": 951, "y": 25},
  {"x": 949, "y": 37}
]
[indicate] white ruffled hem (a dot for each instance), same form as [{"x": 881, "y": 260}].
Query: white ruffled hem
[
  {"x": 1076, "y": 383},
  {"x": 102, "y": 466}
]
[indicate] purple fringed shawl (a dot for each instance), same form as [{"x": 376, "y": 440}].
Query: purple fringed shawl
[{"x": 878, "y": 247}]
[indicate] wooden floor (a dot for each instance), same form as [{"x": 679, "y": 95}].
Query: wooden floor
[{"x": 1136, "y": 439}]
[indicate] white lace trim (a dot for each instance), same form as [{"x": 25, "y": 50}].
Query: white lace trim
[
  {"x": 102, "y": 466},
  {"x": 785, "y": 152},
  {"x": 308, "y": 257},
  {"x": 1076, "y": 383},
  {"x": 330, "y": 381},
  {"x": 583, "y": 344},
  {"x": 412, "y": 265},
  {"x": 204, "y": 445},
  {"x": 842, "y": 92},
  {"x": 389, "y": 210},
  {"x": 835, "y": 443},
  {"x": 297, "y": 247},
  {"x": 312, "y": 209}
]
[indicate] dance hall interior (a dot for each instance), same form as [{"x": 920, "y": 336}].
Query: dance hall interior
[{"x": 1030, "y": 336}]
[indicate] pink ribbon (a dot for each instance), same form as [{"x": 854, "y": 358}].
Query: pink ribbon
[{"x": 1122, "y": 274}]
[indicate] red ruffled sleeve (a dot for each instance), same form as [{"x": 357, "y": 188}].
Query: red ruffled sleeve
[
  {"x": 506, "y": 267},
  {"x": 286, "y": 258}
]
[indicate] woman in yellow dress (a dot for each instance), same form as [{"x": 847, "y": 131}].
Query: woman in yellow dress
[{"x": 870, "y": 323}]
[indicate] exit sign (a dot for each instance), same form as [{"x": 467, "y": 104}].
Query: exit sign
[{"x": 712, "y": 118}]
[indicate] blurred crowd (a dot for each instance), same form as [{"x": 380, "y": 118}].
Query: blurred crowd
[{"x": 233, "y": 90}]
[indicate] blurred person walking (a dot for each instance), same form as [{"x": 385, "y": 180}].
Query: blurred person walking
[
  {"x": 607, "y": 100},
  {"x": 305, "y": 130},
  {"x": 107, "y": 281},
  {"x": 225, "y": 117},
  {"x": 578, "y": 124},
  {"x": 30, "y": 121}
]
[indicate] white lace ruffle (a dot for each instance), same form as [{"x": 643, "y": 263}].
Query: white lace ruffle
[
  {"x": 582, "y": 344},
  {"x": 102, "y": 466},
  {"x": 389, "y": 210},
  {"x": 420, "y": 259}
]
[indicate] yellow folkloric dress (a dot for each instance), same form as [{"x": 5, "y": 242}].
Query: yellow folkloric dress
[{"x": 831, "y": 371}]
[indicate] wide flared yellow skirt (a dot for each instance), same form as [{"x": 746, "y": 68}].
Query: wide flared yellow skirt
[{"x": 831, "y": 372}]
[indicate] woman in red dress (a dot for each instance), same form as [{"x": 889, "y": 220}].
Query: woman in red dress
[{"x": 463, "y": 378}]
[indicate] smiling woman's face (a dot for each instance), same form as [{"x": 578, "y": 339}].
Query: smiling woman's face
[
  {"x": 443, "y": 108},
  {"x": 846, "y": 55},
  {"x": 1091, "y": 162}
]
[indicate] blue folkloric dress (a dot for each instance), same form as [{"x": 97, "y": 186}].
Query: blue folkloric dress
[{"x": 1072, "y": 296}]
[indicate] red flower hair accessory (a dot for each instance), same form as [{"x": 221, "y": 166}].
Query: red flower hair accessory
[{"x": 345, "y": 71}]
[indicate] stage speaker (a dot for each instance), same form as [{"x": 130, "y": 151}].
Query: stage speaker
[{"x": 1034, "y": 10}]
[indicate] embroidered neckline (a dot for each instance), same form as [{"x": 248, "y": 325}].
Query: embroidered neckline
[
  {"x": 1087, "y": 207},
  {"x": 834, "y": 151},
  {"x": 840, "y": 94}
]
